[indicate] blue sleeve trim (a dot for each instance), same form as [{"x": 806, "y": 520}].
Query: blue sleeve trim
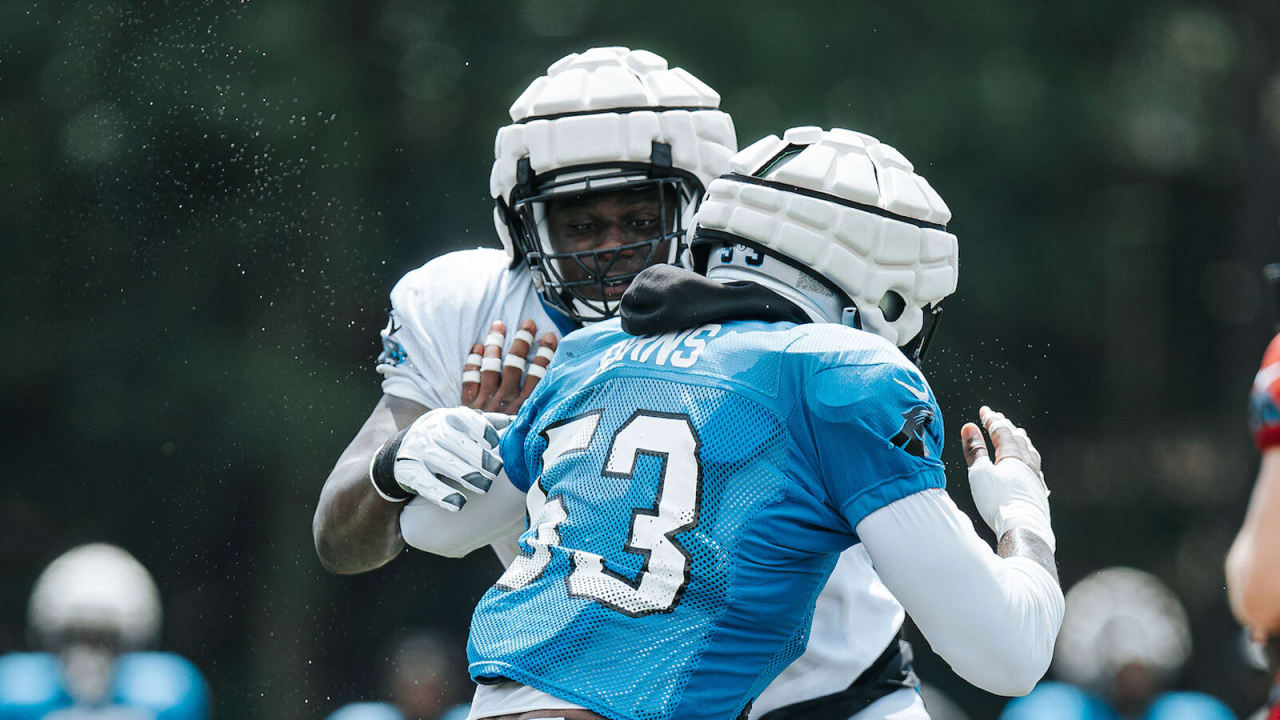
[{"x": 892, "y": 490}]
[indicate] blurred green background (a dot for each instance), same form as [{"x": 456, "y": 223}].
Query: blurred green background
[{"x": 203, "y": 206}]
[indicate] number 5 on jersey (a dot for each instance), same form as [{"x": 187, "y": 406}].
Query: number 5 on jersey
[{"x": 665, "y": 572}]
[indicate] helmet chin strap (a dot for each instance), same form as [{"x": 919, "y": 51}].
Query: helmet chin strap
[{"x": 819, "y": 303}]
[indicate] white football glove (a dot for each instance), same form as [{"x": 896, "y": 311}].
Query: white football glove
[
  {"x": 440, "y": 454},
  {"x": 1012, "y": 492}
]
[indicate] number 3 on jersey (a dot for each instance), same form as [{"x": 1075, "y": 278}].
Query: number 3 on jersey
[{"x": 662, "y": 578}]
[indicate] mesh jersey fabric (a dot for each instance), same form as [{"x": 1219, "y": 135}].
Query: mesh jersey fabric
[
  {"x": 693, "y": 491},
  {"x": 1264, "y": 400}
]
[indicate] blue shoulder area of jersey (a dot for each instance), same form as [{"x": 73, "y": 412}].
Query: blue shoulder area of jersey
[
  {"x": 866, "y": 411},
  {"x": 1188, "y": 706},
  {"x": 1059, "y": 701},
  {"x": 166, "y": 684},
  {"x": 30, "y": 686},
  {"x": 367, "y": 711}
]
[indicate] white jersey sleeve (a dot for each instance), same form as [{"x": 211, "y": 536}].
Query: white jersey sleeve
[
  {"x": 993, "y": 619},
  {"x": 440, "y": 310},
  {"x": 494, "y": 518}
]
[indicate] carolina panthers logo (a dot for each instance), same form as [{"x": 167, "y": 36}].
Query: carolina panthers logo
[
  {"x": 393, "y": 352},
  {"x": 910, "y": 436}
]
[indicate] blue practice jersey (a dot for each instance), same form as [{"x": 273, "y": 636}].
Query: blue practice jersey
[{"x": 689, "y": 494}]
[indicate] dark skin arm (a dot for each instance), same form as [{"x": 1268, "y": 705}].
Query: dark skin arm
[
  {"x": 1009, "y": 442},
  {"x": 355, "y": 530}
]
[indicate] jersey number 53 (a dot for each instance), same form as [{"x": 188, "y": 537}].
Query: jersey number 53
[{"x": 665, "y": 573}]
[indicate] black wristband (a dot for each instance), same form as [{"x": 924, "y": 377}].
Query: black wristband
[{"x": 382, "y": 471}]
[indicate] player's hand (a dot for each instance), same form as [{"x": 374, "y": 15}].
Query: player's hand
[
  {"x": 441, "y": 454},
  {"x": 496, "y": 384},
  {"x": 1011, "y": 492}
]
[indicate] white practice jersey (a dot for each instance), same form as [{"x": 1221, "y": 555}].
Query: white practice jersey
[
  {"x": 440, "y": 310},
  {"x": 443, "y": 308}
]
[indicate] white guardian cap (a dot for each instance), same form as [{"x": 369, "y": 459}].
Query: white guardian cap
[
  {"x": 848, "y": 211},
  {"x": 607, "y": 121}
]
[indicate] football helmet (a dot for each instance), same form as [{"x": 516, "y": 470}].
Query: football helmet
[
  {"x": 608, "y": 120},
  {"x": 89, "y": 605},
  {"x": 96, "y": 589},
  {"x": 846, "y": 210}
]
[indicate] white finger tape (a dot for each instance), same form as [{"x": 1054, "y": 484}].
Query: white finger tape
[
  {"x": 525, "y": 335},
  {"x": 1000, "y": 423},
  {"x": 474, "y": 359},
  {"x": 494, "y": 338},
  {"x": 491, "y": 364},
  {"x": 470, "y": 376},
  {"x": 514, "y": 361},
  {"x": 546, "y": 353},
  {"x": 536, "y": 370}
]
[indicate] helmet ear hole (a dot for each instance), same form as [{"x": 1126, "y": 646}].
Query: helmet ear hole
[{"x": 892, "y": 305}]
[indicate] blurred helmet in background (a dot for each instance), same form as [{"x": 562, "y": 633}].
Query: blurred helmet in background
[
  {"x": 1124, "y": 632},
  {"x": 90, "y": 605},
  {"x": 841, "y": 208},
  {"x": 608, "y": 120}
]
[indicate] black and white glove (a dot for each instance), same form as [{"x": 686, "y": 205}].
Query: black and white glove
[{"x": 439, "y": 455}]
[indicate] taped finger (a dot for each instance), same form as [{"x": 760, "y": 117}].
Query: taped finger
[
  {"x": 471, "y": 374},
  {"x": 491, "y": 363},
  {"x": 537, "y": 369}
]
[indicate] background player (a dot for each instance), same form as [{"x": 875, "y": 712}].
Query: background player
[
  {"x": 1125, "y": 639},
  {"x": 771, "y": 446},
  {"x": 1253, "y": 564},
  {"x": 95, "y": 610}
]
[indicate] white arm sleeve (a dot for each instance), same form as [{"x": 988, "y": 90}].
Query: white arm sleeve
[
  {"x": 492, "y": 518},
  {"x": 993, "y": 619}
]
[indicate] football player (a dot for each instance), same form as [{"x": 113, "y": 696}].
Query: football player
[
  {"x": 640, "y": 141},
  {"x": 695, "y": 473},
  {"x": 1253, "y": 564},
  {"x": 95, "y": 610},
  {"x": 610, "y": 124}
]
